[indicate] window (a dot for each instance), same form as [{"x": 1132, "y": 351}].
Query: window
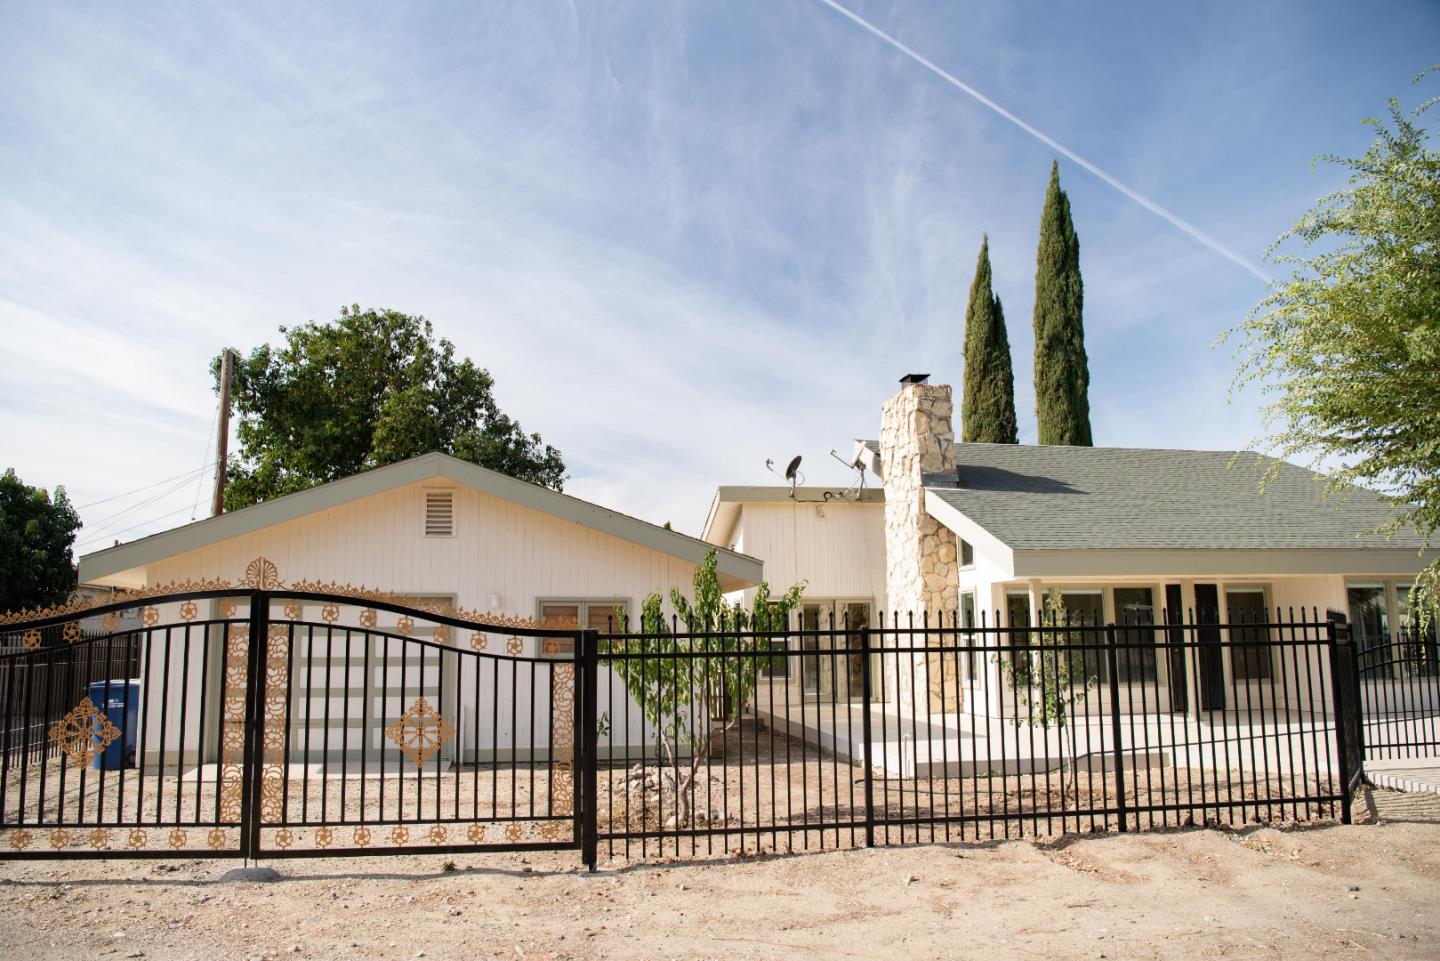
[
  {"x": 1370, "y": 622},
  {"x": 1083, "y": 608},
  {"x": 967, "y": 553},
  {"x": 967, "y": 619},
  {"x": 439, "y": 513},
  {"x": 830, "y": 638},
  {"x": 1249, "y": 645},
  {"x": 1017, "y": 614},
  {"x": 597, "y": 614},
  {"x": 1419, "y": 654},
  {"x": 777, "y": 665},
  {"x": 1134, "y": 615}
]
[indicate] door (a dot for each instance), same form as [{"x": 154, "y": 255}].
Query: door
[
  {"x": 1210, "y": 654},
  {"x": 1174, "y": 616},
  {"x": 831, "y": 667}
]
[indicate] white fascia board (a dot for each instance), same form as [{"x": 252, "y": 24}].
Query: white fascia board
[
  {"x": 1268, "y": 562},
  {"x": 979, "y": 538}
]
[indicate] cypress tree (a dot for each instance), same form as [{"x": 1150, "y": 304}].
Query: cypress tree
[
  {"x": 1062, "y": 372},
  {"x": 987, "y": 411}
]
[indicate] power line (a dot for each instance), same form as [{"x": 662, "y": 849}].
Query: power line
[
  {"x": 106, "y": 522},
  {"x": 126, "y": 530},
  {"x": 105, "y": 500},
  {"x": 1173, "y": 219}
]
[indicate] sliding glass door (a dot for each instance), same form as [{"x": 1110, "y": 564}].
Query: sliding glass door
[{"x": 831, "y": 667}]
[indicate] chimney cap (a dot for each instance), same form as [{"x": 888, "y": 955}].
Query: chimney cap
[{"x": 915, "y": 379}]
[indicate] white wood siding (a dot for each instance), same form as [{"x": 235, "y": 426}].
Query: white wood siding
[
  {"x": 839, "y": 549},
  {"x": 498, "y": 548}
]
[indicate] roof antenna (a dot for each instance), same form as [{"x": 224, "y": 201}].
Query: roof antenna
[
  {"x": 857, "y": 465},
  {"x": 792, "y": 472}
]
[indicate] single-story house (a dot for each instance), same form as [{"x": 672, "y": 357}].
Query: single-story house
[
  {"x": 986, "y": 532},
  {"x": 429, "y": 530}
]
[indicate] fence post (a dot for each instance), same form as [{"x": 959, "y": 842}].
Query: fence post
[
  {"x": 865, "y": 695},
  {"x": 250, "y": 769},
  {"x": 1112, "y": 661},
  {"x": 1347, "y": 720},
  {"x": 590, "y": 748}
]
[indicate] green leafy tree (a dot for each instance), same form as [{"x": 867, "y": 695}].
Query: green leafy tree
[
  {"x": 1348, "y": 348},
  {"x": 371, "y": 388},
  {"x": 1062, "y": 371},
  {"x": 680, "y": 697},
  {"x": 1050, "y": 683},
  {"x": 37, "y": 532},
  {"x": 987, "y": 410}
]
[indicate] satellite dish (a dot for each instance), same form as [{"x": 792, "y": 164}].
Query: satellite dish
[{"x": 793, "y": 469}]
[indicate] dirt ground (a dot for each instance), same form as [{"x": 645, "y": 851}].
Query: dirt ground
[{"x": 1364, "y": 891}]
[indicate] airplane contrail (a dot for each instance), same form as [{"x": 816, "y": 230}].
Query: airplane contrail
[{"x": 1150, "y": 205}]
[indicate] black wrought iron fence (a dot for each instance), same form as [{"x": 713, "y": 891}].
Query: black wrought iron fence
[
  {"x": 300, "y": 721},
  {"x": 36, "y": 692},
  {"x": 918, "y": 731},
  {"x": 1399, "y": 693}
]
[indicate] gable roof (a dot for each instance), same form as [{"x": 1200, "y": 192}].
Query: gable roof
[
  {"x": 736, "y": 570},
  {"x": 1086, "y": 498}
]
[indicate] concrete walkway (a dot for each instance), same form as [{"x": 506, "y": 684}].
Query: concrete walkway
[{"x": 1406, "y": 774}]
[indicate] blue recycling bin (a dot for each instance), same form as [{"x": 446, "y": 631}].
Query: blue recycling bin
[{"x": 119, "y": 701}]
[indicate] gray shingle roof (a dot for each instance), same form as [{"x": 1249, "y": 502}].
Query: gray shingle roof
[{"x": 1059, "y": 498}]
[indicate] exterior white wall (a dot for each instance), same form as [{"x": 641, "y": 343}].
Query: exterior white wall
[
  {"x": 838, "y": 548},
  {"x": 498, "y": 547}
]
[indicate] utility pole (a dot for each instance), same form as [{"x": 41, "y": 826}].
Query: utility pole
[{"x": 222, "y": 443}]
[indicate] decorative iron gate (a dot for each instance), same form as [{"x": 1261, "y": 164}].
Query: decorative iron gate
[
  {"x": 1398, "y": 693},
  {"x": 280, "y": 721}
]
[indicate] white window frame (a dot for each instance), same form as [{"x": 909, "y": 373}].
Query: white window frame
[{"x": 582, "y": 605}]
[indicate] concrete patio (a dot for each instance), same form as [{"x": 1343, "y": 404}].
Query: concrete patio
[{"x": 965, "y": 745}]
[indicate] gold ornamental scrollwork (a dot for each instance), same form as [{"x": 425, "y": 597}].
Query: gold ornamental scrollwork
[
  {"x": 262, "y": 574},
  {"x": 78, "y": 732},
  {"x": 562, "y": 737},
  {"x": 81, "y": 605},
  {"x": 420, "y": 732},
  {"x": 232, "y": 724}
]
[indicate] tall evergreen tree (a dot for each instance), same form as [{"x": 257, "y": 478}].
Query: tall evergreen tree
[
  {"x": 1062, "y": 372},
  {"x": 987, "y": 409}
]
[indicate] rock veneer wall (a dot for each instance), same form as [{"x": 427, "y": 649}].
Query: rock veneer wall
[{"x": 922, "y": 562}]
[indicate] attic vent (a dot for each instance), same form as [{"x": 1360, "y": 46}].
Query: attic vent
[{"x": 439, "y": 513}]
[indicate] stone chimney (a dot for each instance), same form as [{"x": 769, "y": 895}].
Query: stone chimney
[{"x": 921, "y": 559}]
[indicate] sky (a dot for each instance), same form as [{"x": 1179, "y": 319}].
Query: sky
[{"x": 683, "y": 237}]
